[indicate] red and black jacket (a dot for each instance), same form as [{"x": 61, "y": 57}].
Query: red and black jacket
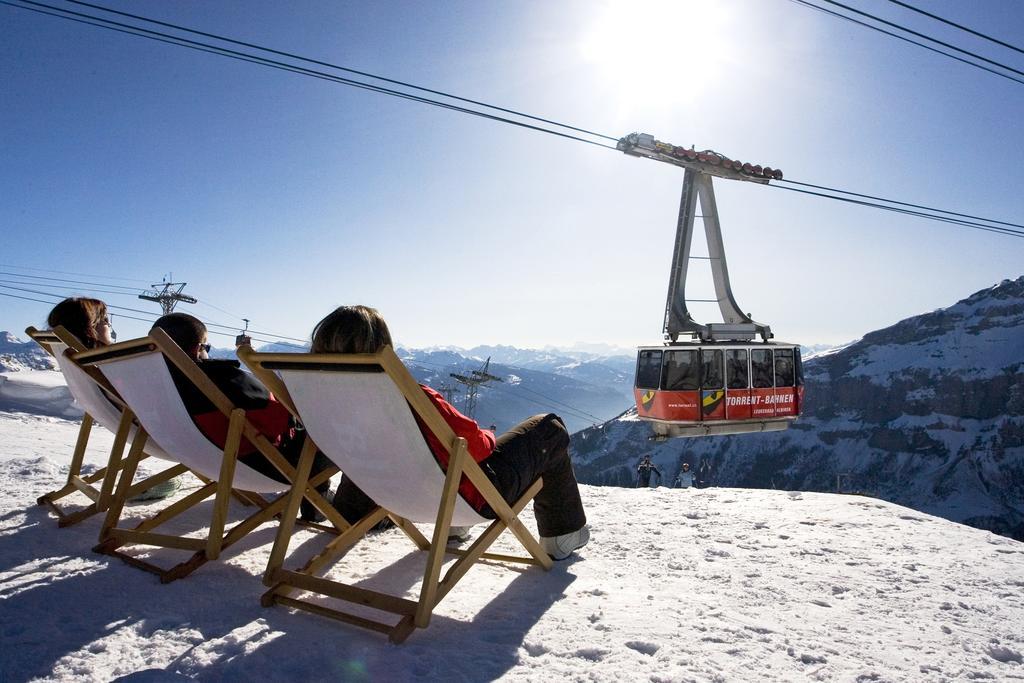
[{"x": 262, "y": 410}]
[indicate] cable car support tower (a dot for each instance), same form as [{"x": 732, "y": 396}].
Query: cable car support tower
[
  {"x": 168, "y": 297},
  {"x": 700, "y": 168},
  {"x": 473, "y": 382}
]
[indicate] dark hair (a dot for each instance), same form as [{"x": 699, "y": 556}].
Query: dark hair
[
  {"x": 351, "y": 329},
  {"x": 81, "y": 317},
  {"x": 186, "y": 330}
]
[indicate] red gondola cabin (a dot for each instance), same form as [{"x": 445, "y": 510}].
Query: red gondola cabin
[{"x": 697, "y": 389}]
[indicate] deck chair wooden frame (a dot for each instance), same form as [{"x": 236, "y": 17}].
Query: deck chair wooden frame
[
  {"x": 94, "y": 395},
  {"x": 280, "y": 373},
  {"x": 159, "y": 409}
]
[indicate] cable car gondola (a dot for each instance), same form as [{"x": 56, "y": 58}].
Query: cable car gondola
[
  {"x": 723, "y": 381},
  {"x": 700, "y": 389}
]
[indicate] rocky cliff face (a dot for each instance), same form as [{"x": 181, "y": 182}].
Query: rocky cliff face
[{"x": 928, "y": 413}]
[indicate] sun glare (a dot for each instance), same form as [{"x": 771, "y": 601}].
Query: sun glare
[{"x": 658, "y": 50}]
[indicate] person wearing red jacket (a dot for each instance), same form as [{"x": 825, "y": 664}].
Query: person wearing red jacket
[
  {"x": 537, "y": 447},
  {"x": 262, "y": 410}
]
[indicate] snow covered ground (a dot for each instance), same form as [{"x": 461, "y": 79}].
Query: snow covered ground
[{"x": 675, "y": 585}]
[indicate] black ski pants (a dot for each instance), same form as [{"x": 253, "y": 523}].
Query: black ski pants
[{"x": 538, "y": 447}]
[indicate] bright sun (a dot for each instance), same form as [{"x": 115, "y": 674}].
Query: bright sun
[{"x": 666, "y": 50}]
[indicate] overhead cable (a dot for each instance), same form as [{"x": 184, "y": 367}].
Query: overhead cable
[
  {"x": 929, "y": 38},
  {"x": 204, "y": 47},
  {"x": 131, "y": 290},
  {"x": 318, "y": 62},
  {"x": 942, "y": 219},
  {"x": 893, "y": 201},
  {"x": 956, "y": 25},
  {"x": 214, "y": 49},
  {"x": 64, "y": 272},
  {"x": 254, "y": 334},
  {"x": 914, "y": 42}
]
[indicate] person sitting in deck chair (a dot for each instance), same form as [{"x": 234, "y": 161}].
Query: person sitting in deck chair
[
  {"x": 261, "y": 408},
  {"x": 87, "y": 319},
  {"x": 537, "y": 447}
]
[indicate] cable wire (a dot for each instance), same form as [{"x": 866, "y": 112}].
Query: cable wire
[
  {"x": 921, "y": 35},
  {"x": 131, "y": 290},
  {"x": 907, "y": 40},
  {"x": 63, "y": 272},
  {"x": 341, "y": 68},
  {"x": 213, "y": 49},
  {"x": 956, "y": 25},
  {"x": 893, "y": 201},
  {"x": 182, "y": 42},
  {"x": 256, "y": 336},
  {"x": 62, "y": 287},
  {"x": 919, "y": 214}
]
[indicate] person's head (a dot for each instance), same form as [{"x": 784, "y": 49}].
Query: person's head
[
  {"x": 647, "y": 458},
  {"x": 686, "y": 467},
  {"x": 351, "y": 329},
  {"x": 187, "y": 331},
  {"x": 87, "y": 319}
]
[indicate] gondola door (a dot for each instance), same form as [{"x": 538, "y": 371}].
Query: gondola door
[
  {"x": 737, "y": 384},
  {"x": 785, "y": 383},
  {"x": 762, "y": 376},
  {"x": 712, "y": 385}
]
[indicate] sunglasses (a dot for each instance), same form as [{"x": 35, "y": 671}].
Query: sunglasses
[{"x": 205, "y": 347}]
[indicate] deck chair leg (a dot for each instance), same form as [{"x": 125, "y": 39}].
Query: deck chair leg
[
  {"x": 123, "y": 484},
  {"x": 428, "y": 592},
  {"x": 83, "y": 439},
  {"x": 76, "y": 466},
  {"x": 215, "y": 539},
  {"x": 314, "y": 497},
  {"x": 114, "y": 460},
  {"x": 291, "y": 509}
]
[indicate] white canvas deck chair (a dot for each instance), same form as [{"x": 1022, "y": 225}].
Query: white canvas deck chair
[
  {"x": 139, "y": 372},
  {"x": 358, "y": 410},
  {"x": 102, "y": 406}
]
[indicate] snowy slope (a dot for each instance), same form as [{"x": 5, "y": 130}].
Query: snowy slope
[
  {"x": 928, "y": 413},
  {"x": 43, "y": 392},
  {"x": 695, "y": 585}
]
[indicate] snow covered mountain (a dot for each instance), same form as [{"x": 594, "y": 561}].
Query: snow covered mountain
[
  {"x": 583, "y": 388},
  {"x": 16, "y": 355},
  {"x": 582, "y": 392},
  {"x": 927, "y": 413}
]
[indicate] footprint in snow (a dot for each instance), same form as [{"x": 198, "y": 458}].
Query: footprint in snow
[
  {"x": 1000, "y": 654},
  {"x": 643, "y": 647},
  {"x": 592, "y": 654}
]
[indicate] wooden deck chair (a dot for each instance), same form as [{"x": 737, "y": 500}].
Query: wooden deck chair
[
  {"x": 102, "y": 406},
  {"x": 138, "y": 370},
  {"x": 358, "y": 410}
]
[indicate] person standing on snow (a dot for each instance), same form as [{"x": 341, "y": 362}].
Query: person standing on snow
[
  {"x": 643, "y": 472},
  {"x": 705, "y": 473},
  {"x": 684, "y": 480}
]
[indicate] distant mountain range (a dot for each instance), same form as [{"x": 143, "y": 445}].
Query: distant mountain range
[
  {"x": 583, "y": 387},
  {"x": 17, "y": 355},
  {"x": 927, "y": 413}
]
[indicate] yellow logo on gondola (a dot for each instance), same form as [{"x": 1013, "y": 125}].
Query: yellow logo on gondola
[
  {"x": 646, "y": 400},
  {"x": 711, "y": 400}
]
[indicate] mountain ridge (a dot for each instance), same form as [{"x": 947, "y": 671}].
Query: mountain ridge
[{"x": 928, "y": 413}]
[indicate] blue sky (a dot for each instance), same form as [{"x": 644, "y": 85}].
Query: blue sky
[{"x": 277, "y": 196}]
